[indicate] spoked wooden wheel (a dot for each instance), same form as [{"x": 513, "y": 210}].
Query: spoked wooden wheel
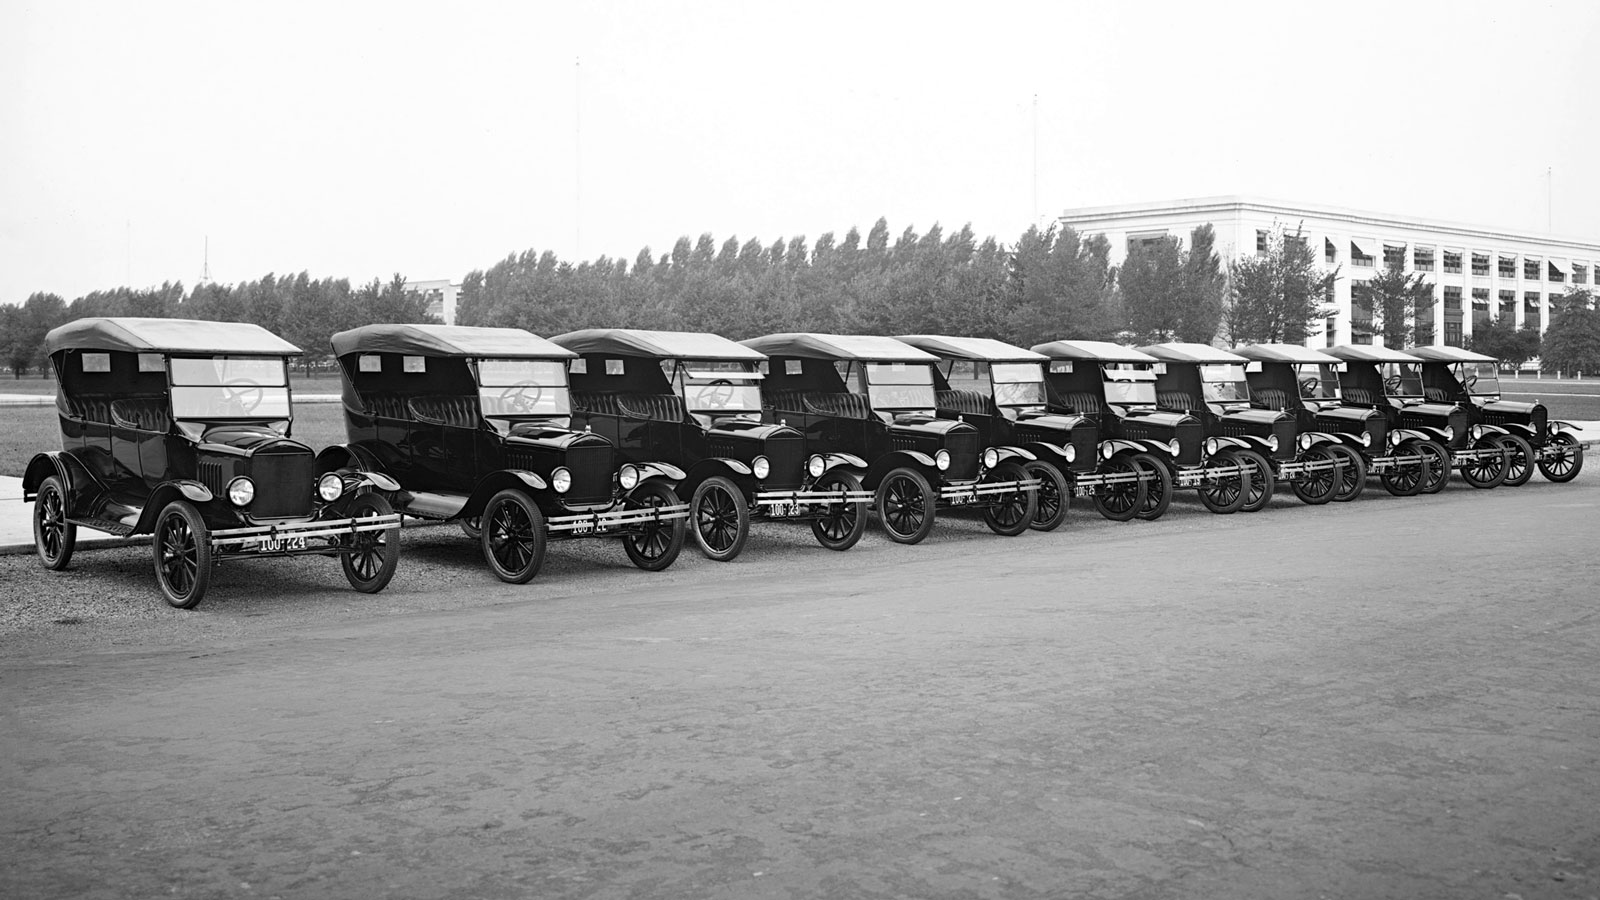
[
  {"x": 369, "y": 558},
  {"x": 512, "y": 536},
  {"x": 1488, "y": 471},
  {"x": 53, "y": 536},
  {"x": 1158, "y": 489},
  {"x": 843, "y": 523},
  {"x": 656, "y": 545},
  {"x": 721, "y": 518},
  {"x": 1519, "y": 459},
  {"x": 1055, "y": 496},
  {"x": 1011, "y": 512},
  {"x": 182, "y": 550},
  {"x": 1352, "y": 473},
  {"x": 1121, "y": 501},
  {"x": 1322, "y": 482},
  {"x": 1564, "y": 462},
  {"x": 905, "y": 506}
]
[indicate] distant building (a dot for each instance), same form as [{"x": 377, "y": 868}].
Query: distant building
[
  {"x": 441, "y": 296},
  {"x": 1494, "y": 273}
]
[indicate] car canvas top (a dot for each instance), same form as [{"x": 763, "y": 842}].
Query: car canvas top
[
  {"x": 1450, "y": 355},
  {"x": 137, "y": 335},
  {"x": 1099, "y": 351},
  {"x": 986, "y": 349},
  {"x": 810, "y": 345},
  {"x": 1371, "y": 353},
  {"x": 1178, "y": 351},
  {"x": 663, "y": 344},
  {"x": 447, "y": 340},
  {"x": 1286, "y": 353}
]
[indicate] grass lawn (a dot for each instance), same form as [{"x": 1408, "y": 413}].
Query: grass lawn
[{"x": 34, "y": 384}]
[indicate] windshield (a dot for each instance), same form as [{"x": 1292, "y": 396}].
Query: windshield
[
  {"x": 523, "y": 387},
  {"x": 1402, "y": 379},
  {"x": 720, "y": 386},
  {"x": 900, "y": 386},
  {"x": 230, "y": 387},
  {"x": 1129, "y": 384},
  {"x": 1481, "y": 379},
  {"x": 1318, "y": 381},
  {"x": 1018, "y": 384},
  {"x": 1224, "y": 382}
]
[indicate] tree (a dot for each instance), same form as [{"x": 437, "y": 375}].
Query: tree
[
  {"x": 38, "y": 314},
  {"x": 1151, "y": 284},
  {"x": 15, "y": 351},
  {"x": 1394, "y": 299},
  {"x": 1279, "y": 296},
  {"x": 1503, "y": 340},
  {"x": 1203, "y": 287},
  {"x": 1572, "y": 344}
]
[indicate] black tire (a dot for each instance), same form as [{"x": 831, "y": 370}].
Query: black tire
[
  {"x": 513, "y": 536},
  {"x": 1055, "y": 496},
  {"x": 1405, "y": 478},
  {"x": 369, "y": 558},
  {"x": 1319, "y": 485},
  {"x": 182, "y": 550},
  {"x": 1488, "y": 472},
  {"x": 720, "y": 517},
  {"x": 655, "y": 547},
  {"x": 843, "y": 524},
  {"x": 1120, "y": 502},
  {"x": 1225, "y": 495},
  {"x": 1262, "y": 482},
  {"x": 53, "y": 536},
  {"x": 1519, "y": 459},
  {"x": 1435, "y": 466},
  {"x": 1158, "y": 490},
  {"x": 471, "y": 527},
  {"x": 1566, "y": 464},
  {"x": 905, "y": 504},
  {"x": 1352, "y": 473},
  {"x": 1009, "y": 514}
]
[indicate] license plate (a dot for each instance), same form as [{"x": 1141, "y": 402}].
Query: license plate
[
  {"x": 785, "y": 510},
  {"x": 584, "y": 527},
  {"x": 962, "y": 498},
  {"x": 280, "y": 545}
]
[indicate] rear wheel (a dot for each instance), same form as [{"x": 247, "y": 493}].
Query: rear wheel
[
  {"x": 1121, "y": 501},
  {"x": 1319, "y": 484},
  {"x": 1487, "y": 471},
  {"x": 1435, "y": 466},
  {"x": 1352, "y": 473},
  {"x": 370, "y": 557},
  {"x": 53, "y": 536},
  {"x": 513, "y": 536},
  {"x": 1010, "y": 513},
  {"x": 1224, "y": 493},
  {"x": 721, "y": 518},
  {"x": 906, "y": 506},
  {"x": 1055, "y": 497},
  {"x": 1565, "y": 459},
  {"x": 1410, "y": 469},
  {"x": 656, "y": 545},
  {"x": 471, "y": 527},
  {"x": 1519, "y": 459},
  {"x": 1157, "y": 488},
  {"x": 843, "y": 522},
  {"x": 1260, "y": 484},
  {"x": 182, "y": 551}
]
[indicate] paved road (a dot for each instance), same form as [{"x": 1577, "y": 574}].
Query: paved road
[{"x": 1390, "y": 698}]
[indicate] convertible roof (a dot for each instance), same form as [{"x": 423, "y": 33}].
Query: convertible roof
[
  {"x": 1289, "y": 353},
  {"x": 664, "y": 344},
  {"x": 446, "y": 340},
  {"x": 1450, "y": 354},
  {"x": 971, "y": 348},
  {"x": 1178, "y": 351},
  {"x": 809, "y": 345},
  {"x": 1100, "y": 351},
  {"x": 166, "y": 336},
  {"x": 1371, "y": 353}
]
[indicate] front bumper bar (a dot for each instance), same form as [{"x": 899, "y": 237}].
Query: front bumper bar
[
  {"x": 794, "y": 503},
  {"x": 255, "y": 535},
  {"x": 616, "y": 520}
]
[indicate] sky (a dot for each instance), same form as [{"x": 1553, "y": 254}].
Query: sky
[{"x": 142, "y": 143}]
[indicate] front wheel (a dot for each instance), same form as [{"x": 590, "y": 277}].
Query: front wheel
[
  {"x": 1486, "y": 471},
  {"x": 1519, "y": 459},
  {"x": 1564, "y": 460},
  {"x": 1260, "y": 483},
  {"x": 843, "y": 522},
  {"x": 1404, "y": 478},
  {"x": 182, "y": 551},
  {"x": 512, "y": 536},
  {"x": 1352, "y": 473},
  {"x": 370, "y": 557},
  {"x": 1320, "y": 482},
  {"x": 721, "y": 518},
  {"x": 1224, "y": 493},
  {"x": 1055, "y": 497},
  {"x": 1121, "y": 501},
  {"x": 53, "y": 536},
  {"x": 905, "y": 506},
  {"x": 657, "y": 544},
  {"x": 1435, "y": 466},
  {"x": 1158, "y": 486},
  {"x": 1010, "y": 513}
]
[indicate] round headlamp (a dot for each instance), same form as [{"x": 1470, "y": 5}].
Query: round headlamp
[
  {"x": 1475, "y": 432},
  {"x": 1173, "y": 447},
  {"x": 1107, "y": 451},
  {"x": 330, "y": 487},
  {"x": 816, "y": 465},
  {"x": 991, "y": 458},
  {"x": 761, "y": 466},
  {"x": 241, "y": 491},
  {"x": 1272, "y": 443},
  {"x": 1395, "y": 439},
  {"x": 561, "y": 480},
  {"x": 628, "y": 477},
  {"x": 942, "y": 459},
  {"x": 1212, "y": 446},
  {"x": 1449, "y": 432},
  {"x": 1305, "y": 441},
  {"x": 1365, "y": 439},
  {"x": 1070, "y": 452}
]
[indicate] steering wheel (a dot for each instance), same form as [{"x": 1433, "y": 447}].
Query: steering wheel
[
  {"x": 1392, "y": 383},
  {"x": 1308, "y": 386},
  {"x": 243, "y": 393},
  {"x": 1471, "y": 380},
  {"x": 720, "y": 396},
  {"x": 518, "y": 398}
]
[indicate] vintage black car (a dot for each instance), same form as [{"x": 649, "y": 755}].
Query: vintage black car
[
  {"x": 1304, "y": 383},
  {"x": 1210, "y": 383},
  {"x": 1451, "y": 374},
  {"x": 474, "y": 424},
  {"x": 1116, "y": 386},
  {"x": 868, "y": 402},
  {"x": 694, "y": 400},
  {"x": 181, "y": 430},
  {"x": 1390, "y": 381},
  {"x": 1000, "y": 389}
]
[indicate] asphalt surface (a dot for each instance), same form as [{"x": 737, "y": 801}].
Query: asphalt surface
[{"x": 1387, "y": 698}]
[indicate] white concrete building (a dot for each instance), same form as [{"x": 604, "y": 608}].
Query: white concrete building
[
  {"x": 441, "y": 296},
  {"x": 1478, "y": 273}
]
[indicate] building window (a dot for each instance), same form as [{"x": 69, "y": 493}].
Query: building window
[
  {"x": 1357, "y": 258},
  {"x": 1480, "y": 298},
  {"x": 1508, "y": 267},
  {"x": 1580, "y": 274},
  {"x": 1330, "y": 253},
  {"x": 1452, "y": 297},
  {"x": 1452, "y": 333},
  {"x": 1530, "y": 269},
  {"x": 1261, "y": 241},
  {"x": 1393, "y": 256},
  {"x": 1422, "y": 259},
  {"x": 1480, "y": 264},
  {"x": 1556, "y": 275},
  {"x": 1508, "y": 304},
  {"x": 1452, "y": 262}
]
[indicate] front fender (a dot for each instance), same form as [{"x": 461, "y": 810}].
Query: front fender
[
  {"x": 734, "y": 470},
  {"x": 1119, "y": 446},
  {"x": 649, "y": 470},
  {"x": 914, "y": 459},
  {"x": 495, "y": 482},
  {"x": 347, "y": 456},
  {"x": 166, "y": 492},
  {"x": 831, "y": 461},
  {"x": 1052, "y": 454},
  {"x": 1524, "y": 430},
  {"x": 1486, "y": 431},
  {"x": 1319, "y": 438},
  {"x": 1005, "y": 453}
]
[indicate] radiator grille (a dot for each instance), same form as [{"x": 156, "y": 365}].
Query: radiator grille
[
  {"x": 787, "y": 454},
  {"x": 963, "y": 447},
  {"x": 591, "y": 466},
  {"x": 283, "y": 481}
]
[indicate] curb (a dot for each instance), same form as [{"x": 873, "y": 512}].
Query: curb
[{"x": 89, "y": 544}]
